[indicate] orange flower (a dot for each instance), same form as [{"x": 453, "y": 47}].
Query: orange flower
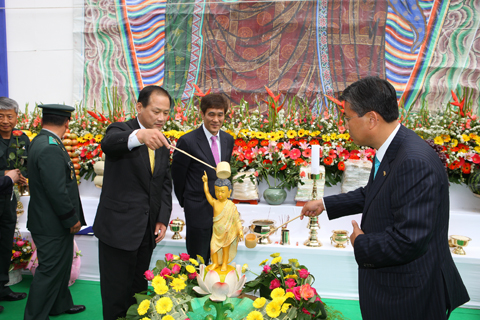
[
  {"x": 327, "y": 160},
  {"x": 264, "y": 143},
  {"x": 306, "y": 291},
  {"x": 466, "y": 168},
  {"x": 341, "y": 166}
]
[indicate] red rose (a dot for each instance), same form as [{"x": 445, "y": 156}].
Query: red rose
[
  {"x": 274, "y": 284},
  {"x": 17, "y": 133}
]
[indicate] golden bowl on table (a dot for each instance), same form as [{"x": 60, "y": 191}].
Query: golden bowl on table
[
  {"x": 460, "y": 242},
  {"x": 262, "y": 227},
  {"x": 340, "y": 237},
  {"x": 176, "y": 226}
]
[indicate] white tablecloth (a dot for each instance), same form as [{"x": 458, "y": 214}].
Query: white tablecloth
[{"x": 335, "y": 270}]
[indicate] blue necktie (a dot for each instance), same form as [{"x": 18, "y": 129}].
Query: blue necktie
[{"x": 377, "y": 165}]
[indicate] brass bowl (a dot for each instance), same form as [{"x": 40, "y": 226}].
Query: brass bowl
[
  {"x": 340, "y": 237},
  {"x": 460, "y": 242},
  {"x": 262, "y": 227},
  {"x": 176, "y": 226}
]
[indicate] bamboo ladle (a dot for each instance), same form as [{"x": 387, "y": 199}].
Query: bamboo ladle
[{"x": 222, "y": 169}]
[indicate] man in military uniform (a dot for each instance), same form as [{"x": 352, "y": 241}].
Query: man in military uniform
[
  {"x": 54, "y": 215},
  {"x": 8, "y": 204}
]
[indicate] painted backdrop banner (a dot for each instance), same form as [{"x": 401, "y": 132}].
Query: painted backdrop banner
[{"x": 306, "y": 49}]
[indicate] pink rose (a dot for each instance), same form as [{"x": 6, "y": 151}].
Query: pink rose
[
  {"x": 20, "y": 243},
  {"x": 296, "y": 292},
  {"x": 290, "y": 283},
  {"x": 192, "y": 276},
  {"x": 303, "y": 273},
  {"x": 255, "y": 173},
  {"x": 169, "y": 257},
  {"x": 184, "y": 256},
  {"x": 266, "y": 268},
  {"x": 165, "y": 272},
  {"x": 175, "y": 269},
  {"x": 149, "y": 275},
  {"x": 17, "y": 254},
  {"x": 274, "y": 284}
]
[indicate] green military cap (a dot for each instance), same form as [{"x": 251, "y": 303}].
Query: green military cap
[{"x": 57, "y": 109}]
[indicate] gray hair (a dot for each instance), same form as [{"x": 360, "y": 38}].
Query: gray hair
[
  {"x": 223, "y": 183},
  {"x": 8, "y": 104}
]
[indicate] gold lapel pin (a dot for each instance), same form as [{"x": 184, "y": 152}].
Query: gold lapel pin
[{"x": 384, "y": 173}]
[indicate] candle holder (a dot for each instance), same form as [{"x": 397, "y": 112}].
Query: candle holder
[{"x": 313, "y": 225}]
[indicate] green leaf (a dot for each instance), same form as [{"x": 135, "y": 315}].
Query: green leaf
[{"x": 160, "y": 265}]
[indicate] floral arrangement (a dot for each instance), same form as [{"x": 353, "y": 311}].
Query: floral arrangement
[
  {"x": 289, "y": 286},
  {"x": 173, "y": 280},
  {"x": 21, "y": 252},
  {"x": 274, "y": 138},
  {"x": 17, "y": 158}
]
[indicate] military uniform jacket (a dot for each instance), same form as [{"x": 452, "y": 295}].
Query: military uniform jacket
[
  {"x": 6, "y": 149},
  {"x": 54, "y": 199}
]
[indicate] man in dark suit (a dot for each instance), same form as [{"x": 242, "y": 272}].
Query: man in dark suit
[
  {"x": 55, "y": 214},
  {"x": 406, "y": 270},
  {"x": 8, "y": 203},
  {"x": 136, "y": 200},
  {"x": 211, "y": 145}
]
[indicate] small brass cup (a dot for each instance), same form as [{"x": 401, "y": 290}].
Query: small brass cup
[
  {"x": 340, "y": 237},
  {"x": 460, "y": 242},
  {"x": 250, "y": 241}
]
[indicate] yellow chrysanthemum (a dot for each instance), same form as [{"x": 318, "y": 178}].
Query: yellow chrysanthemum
[
  {"x": 291, "y": 134},
  {"x": 477, "y": 149},
  {"x": 193, "y": 261},
  {"x": 244, "y": 268},
  {"x": 254, "y": 315},
  {"x": 98, "y": 138},
  {"x": 465, "y": 137},
  {"x": 325, "y": 137},
  {"x": 263, "y": 262},
  {"x": 347, "y": 136},
  {"x": 315, "y": 133},
  {"x": 446, "y": 138},
  {"x": 281, "y": 134},
  {"x": 158, "y": 280},
  {"x": 293, "y": 276},
  {"x": 178, "y": 284},
  {"x": 273, "y": 309},
  {"x": 161, "y": 290},
  {"x": 175, "y": 257},
  {"x": 164, "y": 305},
  {"x": 27, "y": 132},
  {"x": 301, "y": 132},
  {"x": 277, "y": 260},
  {"x": 184, "y": 277},
  {"x": 271, "y": 135},
  {"x": 88, "y": 136},
  {"x": 261, "y": 135},
  {"x": 472, "y": 135},
  {"x": 277, "y": 293},
  {"x": 287, "y": 270},
  {"x": 289, "y": 295},
  {"x": 293, "y": 262},
  {"x": 168, "y": 317},
  {"x": 259, "y": 302},
  {"x": 333, "y": 136},
  {"x": 438, "y": 140},
  {"x": 143, "y": 307},
  {"x": 145, "y": 318},
  {"x": 285, "y": 307},
  {"x": 454, "y": 142},
  {"x": 274, "y": 255},
  {"x": 190, "y": 269},
  {"x": 81, "y": 139}
]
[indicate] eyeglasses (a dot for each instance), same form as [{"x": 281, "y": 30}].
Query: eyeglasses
[{"x": 347, "y": 119}]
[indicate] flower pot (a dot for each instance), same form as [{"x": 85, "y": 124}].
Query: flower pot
[
  {"x": 274, "y": 196},
  {"x": 14, "y": 277}
]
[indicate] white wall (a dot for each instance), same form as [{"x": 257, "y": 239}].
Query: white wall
[{"x": 40, "y": 51}]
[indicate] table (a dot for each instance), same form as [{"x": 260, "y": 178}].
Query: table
[{"x": 334, "y": 269}]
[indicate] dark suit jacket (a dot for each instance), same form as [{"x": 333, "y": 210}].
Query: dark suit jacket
[
  {"x": 187, "y": 175},
  {"x": 406, "y": 270},
  {"x": 131, "y": 195},
  {"x": 55, "y": 204}
]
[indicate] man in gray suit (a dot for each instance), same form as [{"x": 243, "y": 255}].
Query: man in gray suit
[{"x": 405, "y": 267}]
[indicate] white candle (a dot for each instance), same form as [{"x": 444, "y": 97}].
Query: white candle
[{"x": 315, "y": 169}]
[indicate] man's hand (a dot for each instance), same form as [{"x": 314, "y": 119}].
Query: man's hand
[
  {"x": 312, "y": 208},
  {"x": 160, "y": 230},
  {"x": 356, "y": 231},
  {"x": 23, "y": 181},
  {"x": 152, "y": 138},
  {"x": 75, "y": 228},
  {"x": 14, "y": 175}
]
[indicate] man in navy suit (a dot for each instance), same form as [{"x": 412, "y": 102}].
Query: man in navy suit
[
  {"x": 211, "y": 145},
  {"x": 405, "y": 268}
]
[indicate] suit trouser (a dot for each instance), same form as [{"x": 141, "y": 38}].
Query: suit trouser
[
  {"x": 49, "y": 293},
  {"x": 198, "y": 242},
  {"x": 121, "y": 275},
  {"x": 8, "y": 219}
]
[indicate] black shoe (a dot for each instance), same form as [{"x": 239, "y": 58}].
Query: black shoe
[
  {"x": 14, "y": 296},
  {"x": 1, "y": 308},
  {"x": 76, "y": 309}
]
